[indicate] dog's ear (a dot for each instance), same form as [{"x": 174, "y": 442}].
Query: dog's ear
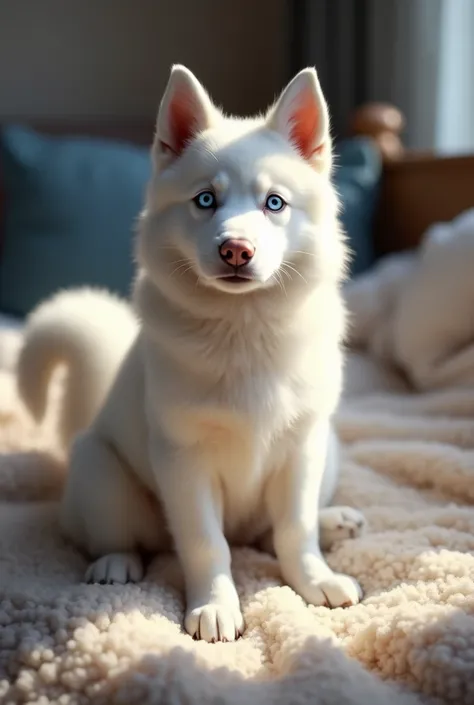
[
  {"x": 185, "y": 110},
  {"x": 301, "y": 116}
]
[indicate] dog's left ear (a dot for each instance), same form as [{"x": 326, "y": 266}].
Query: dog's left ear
[{"x": 301, "y": 116}]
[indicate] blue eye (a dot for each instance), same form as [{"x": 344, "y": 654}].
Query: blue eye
[
  {"x": 275, "y": 203},
  {"x": 205, "y": 200}
]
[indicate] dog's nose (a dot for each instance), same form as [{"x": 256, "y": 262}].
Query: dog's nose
[{"x": 236, "y": 253}]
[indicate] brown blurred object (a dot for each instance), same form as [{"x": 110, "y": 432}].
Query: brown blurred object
[
  {"x": 383, "y": 123},
  {"x": 418, "y": 189}
]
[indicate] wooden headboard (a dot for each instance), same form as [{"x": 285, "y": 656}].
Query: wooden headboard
[{"x": 418, "y": 189}]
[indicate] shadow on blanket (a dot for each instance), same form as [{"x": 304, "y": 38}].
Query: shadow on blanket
[{"x": 31, "y": 476}]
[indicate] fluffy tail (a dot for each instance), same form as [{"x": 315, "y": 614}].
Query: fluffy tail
[{"x": 89, "y": 331}]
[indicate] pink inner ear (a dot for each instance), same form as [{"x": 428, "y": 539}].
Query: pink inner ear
[
  {"x": 304, "y": 125},
  {"x": 182, "y": 121}
]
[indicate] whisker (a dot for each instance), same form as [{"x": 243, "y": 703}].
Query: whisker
[
  {"x": 186, "y": 270},
  {"x": 184, "y": 263},
  {"x": 281, "y": 283},
  {"x": 303, "y": 252},
  {"x": 182, "y": 259},
  {"x": 287, "y": 264}
]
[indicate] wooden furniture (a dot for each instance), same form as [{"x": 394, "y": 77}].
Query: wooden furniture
[{"x": 418, "y": 189}]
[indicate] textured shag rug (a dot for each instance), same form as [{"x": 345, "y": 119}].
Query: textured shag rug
[{"x": 409, "y": 466}]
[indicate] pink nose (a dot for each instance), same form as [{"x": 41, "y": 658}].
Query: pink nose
[{"x": 236, "y": 253}]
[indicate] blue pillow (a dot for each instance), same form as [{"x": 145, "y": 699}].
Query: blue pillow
[
  {"x": 70, "y": 208},
  {"x": 357, "y": 178}
]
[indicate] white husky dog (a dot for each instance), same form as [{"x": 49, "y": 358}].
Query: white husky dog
[{"x": 207, "y": 422}]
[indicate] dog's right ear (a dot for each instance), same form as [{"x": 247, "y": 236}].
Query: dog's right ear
[{"x": 185, "y": 110}]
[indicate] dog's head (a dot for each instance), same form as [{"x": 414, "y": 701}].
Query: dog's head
[{"x": 239, "y": 205}]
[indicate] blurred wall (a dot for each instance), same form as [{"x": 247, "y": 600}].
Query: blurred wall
[{"x": 99, "y": 58}]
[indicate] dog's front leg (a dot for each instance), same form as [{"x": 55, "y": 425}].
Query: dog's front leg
[
  {"x": 193, "y": 507},
  {"x": 293, "y": 499}
]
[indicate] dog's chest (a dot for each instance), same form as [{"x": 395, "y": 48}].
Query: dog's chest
[
  {"x": 249, "y": 405},
  {"x": 234, "y": 434},
  {"x": 250, "y": 377},
  {"x": 238, "y": 456},
  {"x": 261, "y": 379},
  {"x": 235, "y": 418}
]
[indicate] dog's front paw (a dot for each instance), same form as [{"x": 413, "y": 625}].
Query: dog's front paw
[
  {"x": 215, "y": 622},
  {"x": 336, "y": 590}
]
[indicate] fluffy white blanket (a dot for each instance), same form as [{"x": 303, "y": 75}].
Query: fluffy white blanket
[
  {"x": 409, "y": 466},
  {"x": 416, "y": 310}
]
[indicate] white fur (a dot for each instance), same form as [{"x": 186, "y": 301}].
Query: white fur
[
  {"x": 414, "y": 310},
  {"x": 89, "y": 331},
  {"x": 217, "y": 426}
]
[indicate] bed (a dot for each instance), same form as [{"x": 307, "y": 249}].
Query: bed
[{"x": 408, "y": 463}]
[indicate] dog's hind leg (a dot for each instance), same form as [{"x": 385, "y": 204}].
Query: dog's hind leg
[
  {"x": 338, "y": 523},
  {"x": 335, "y": 524},
  {"x": 108, "y": 513}
]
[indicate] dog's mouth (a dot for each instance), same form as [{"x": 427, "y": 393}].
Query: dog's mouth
[{"x": 235, "y": 279}]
